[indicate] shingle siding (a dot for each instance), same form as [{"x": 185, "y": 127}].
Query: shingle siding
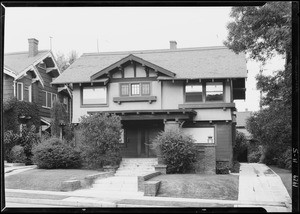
[
  {"x": 8, "y": 89},
  {"x": 224, "y": 142}
]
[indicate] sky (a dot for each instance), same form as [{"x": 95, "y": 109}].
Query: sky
[{"x": 103, "y": 29}]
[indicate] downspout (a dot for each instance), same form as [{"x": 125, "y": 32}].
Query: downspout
[{"x": 14, "y": 86}]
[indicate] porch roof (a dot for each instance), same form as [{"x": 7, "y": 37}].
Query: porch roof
[{"x": 162, "y": 114}]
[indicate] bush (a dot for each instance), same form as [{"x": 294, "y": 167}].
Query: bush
[
  {"x": 10, "y": 139},
  {"x": 240, "y": 146},
  {"x": 100, "y": 140},
  {"x": 17, "y": 154},
  {"x": 270, "y": 156},
  {"x": 176, "y": 149},
  {"x": 14, "y": 108},
  {"x": 235, "y": 167},
  {"x": 222, "y": 167},
  {"x": 55, "y": 154},
  {"x": 285, "y": 160}
]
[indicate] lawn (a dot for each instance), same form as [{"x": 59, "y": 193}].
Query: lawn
[
  {"x": 44, "y": 179},
  {"x": 286, "y": 177},
  {"x": 222, "y": 187}
]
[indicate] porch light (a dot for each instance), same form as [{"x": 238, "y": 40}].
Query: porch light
[{"x": 209, "y": 139}]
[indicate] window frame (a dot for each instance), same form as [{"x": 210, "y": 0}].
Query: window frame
[
  {"x": 223, "y": 92},
  {"x": 145, "y": 83},
  {"x": 135, "y": 95},
  {"x": 204, "y": 94},
  {"x": 22, "y": 91},
  {"x": 93, "y": 105},
  {"x": 51, "y": 100},
  {"x": 141, "y": 94},
  {"x": 120, "y": 86}
]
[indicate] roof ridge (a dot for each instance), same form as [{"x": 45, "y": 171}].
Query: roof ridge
[
  {"x": 24, "y": 52},
  {"x": 155, "y": 51}
]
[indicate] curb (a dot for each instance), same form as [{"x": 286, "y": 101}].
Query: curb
[
  {"x": 60, "y": 202},
  {"x": 20, "y": 167}
]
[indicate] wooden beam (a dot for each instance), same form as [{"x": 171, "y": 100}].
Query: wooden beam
[{"x": 134, "y": 69}]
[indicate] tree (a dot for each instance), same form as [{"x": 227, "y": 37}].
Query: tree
[
  {"x": 64, "y": 62},
  {"x": 263, "y": 32},
  {"x": 58, "y": 116}
]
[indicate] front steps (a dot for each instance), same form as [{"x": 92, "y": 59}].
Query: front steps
[{"x": 136, "y": 166}]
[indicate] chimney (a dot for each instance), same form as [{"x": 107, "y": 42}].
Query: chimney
[
  {"x": 33, "y": 47},
  {"x": 173, "y": 45}
]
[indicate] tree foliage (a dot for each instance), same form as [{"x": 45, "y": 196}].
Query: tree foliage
[
  {"x": 64, "y": 62},
  {"x": 101, "y": 135},
  {"x": 263, "y": 32},
  {"x": 59, "y": 116}
]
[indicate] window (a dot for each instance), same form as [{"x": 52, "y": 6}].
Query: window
[
  {"x": 30, "y": 93},
  {"x": 145, "y": 88},
  {"x": 48, "y": 99},
  {"x": 135, "y": 89},
  {"x": 201, "y": 134},
  {"x": 94, "y": 95},
  {"x": 193, "y": 93},
  {"x": 124, "y": 89},
  {"x": 122, "y": 136},
  {"x": 20, "y": 91},
  {"x": 66, "y": 103},
  {"x": 214, "y": 91}
]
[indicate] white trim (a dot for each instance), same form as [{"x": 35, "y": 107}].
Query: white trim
[
  {"x": 22, "y": 90},
  {"x": 30, "y": 93},
  {"x": 31, "y": 67},
  {"x": 45, "y": 121},
  {"x": 59, "y": 89},
  {"x": 9, "y": 72},
  {"x": 51, "y": 94}
]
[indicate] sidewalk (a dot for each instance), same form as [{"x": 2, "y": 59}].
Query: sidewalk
[
  {"x": 11, "y": 170},
  {"x": 259, "y": 184}
]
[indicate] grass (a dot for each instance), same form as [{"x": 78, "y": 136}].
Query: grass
[
  {"x": 44, "y": 179},
  {"x": 286, "y": 177},
  {"x": 222, "y": 187}
]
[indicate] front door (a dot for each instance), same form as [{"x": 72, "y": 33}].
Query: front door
[{"x": 137, "y": 143}]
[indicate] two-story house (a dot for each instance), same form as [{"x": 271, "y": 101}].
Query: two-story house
[
  {"x": 28, "y": 75},
  {"x": 153, "y": 90}
]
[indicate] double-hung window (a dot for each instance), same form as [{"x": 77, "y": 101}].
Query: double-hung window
[
  {"x": 214, "y": 91},
  {"x": 48, "y": 99},
  {"x": 20, "y": 91},
  {"x": 94, "y": 95},
  {"x": 194, "y": 93}
]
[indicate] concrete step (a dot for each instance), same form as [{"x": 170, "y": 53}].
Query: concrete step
[{"x": 132, "y": 174}]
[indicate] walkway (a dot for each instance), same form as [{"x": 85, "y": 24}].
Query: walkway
[{"x": 259, "y": 184}]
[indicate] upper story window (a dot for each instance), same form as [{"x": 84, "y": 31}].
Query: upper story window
[
  {"x": 214, "y": 91},
  {"x": 208, "y": 92},
  {"x": 193, "y": 93},
  {"x": 94, "y": 95},
  {"x": 20, "y": 91},
  {"x": 48, "y": 99},
  {"x": 65, "y": 100},
  {"x": 135, "y": 89}
]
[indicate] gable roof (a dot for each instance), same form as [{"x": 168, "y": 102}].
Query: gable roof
[
  {"x": 132, "y": 58},
  {"x": 186, "y": 63},
  {"x": 241, "y": 118},
  {"x": 19, "y": 61}
]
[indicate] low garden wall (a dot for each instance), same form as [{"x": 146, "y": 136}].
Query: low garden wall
[{"x": 142, "y": 179}]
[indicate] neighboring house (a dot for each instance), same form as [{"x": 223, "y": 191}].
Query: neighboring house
[
  {"x": 27, "y": 76},
  {"x": 153, "y": 90},
  {"x": 241, "y": 118}
]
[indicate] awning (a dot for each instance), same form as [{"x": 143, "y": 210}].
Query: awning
[{"x": 164, "y": 114}]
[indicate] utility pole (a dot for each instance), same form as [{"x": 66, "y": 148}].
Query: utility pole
[{"x": 50, "y": 42}]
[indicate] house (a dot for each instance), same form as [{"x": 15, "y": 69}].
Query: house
[
  {"x": 28, "y": 75},
  {"x": 154, "y": 90},
  {"x": 241, "y": 118}
]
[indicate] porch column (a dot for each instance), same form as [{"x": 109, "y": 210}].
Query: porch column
[{"x": 171, "y": 125}]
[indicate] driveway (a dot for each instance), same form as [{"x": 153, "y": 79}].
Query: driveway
[{"x": 261, "y": 186}]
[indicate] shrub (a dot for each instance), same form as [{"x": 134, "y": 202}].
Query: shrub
[
  {"x": 235, "y": 167},
  {"x": 58, "y": 116},
  {"x": 222, "y": 167},
  {"x": 100, "y": 140},
  {"x": 176, "y": 149},
  {"x": 14, "y": 108},
  {"x": 240, "y": 146},
  {"x": 285, "y": 160},
  {"x": 17, "y": 154},
  {"x": 54, "y": 154},
  {"x": 270, "y": 156},
  {"x": 10, "y": 139}
]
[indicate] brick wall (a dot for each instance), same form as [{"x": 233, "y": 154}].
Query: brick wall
[{"x": 206, "y": 159}]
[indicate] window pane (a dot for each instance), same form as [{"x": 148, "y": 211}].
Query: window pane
[
  {"x": 214, "y": 91},
  {"x": 44, "y": 98},
  {"x": 19, "y": 91},
  {"x": 193, "y": 93},
  {"x": 49, "y": 100},
  {"x": 124, "y": 89},
  {"x": 94, "y": 95},
  {"x": 201, "y": 135},
  {"x": 135, "y": 89},
  {"x": 145, "y": 88}
]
